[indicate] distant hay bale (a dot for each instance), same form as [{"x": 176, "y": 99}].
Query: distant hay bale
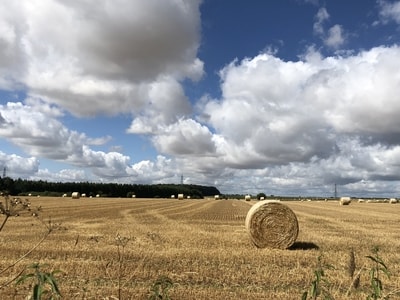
[
  {"x": 361, "y": 201},
  {"x": 75, "y": 195},
  {"x": 345, "y": 201},
  {"x": 180, "y": 196},
  {"x": 216, "y": 197},
  {"x": 98, "y": 196},
  {"x": 272, "y": 224},
  {"x": 83, "y": 195},
  {"x": 393, "y": 200},
  {"x": 172, "y": 196},
  {"x": 247, "y": 197},
  {"x": 262, "y": 198},
  {"x": 64, "y": 195}
]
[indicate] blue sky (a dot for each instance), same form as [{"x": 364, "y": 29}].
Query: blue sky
[{"x": 285, "y": 97}]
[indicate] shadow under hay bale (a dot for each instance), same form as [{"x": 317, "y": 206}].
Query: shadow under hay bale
[
  {"x": 303, "y": 246},
  {"x": 272, "y": 224}
]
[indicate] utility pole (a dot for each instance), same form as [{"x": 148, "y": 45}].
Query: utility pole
[
  {"x": 182, "y": 179},
  {"x": 335, "y": 191},
  {"x": 4, "y": 172}
]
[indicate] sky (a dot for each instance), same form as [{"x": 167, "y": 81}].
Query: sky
[{"x": 284, "y": 97}]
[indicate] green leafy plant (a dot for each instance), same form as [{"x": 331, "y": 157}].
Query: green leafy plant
[
  {"x": 320, "y": 285},
  {"x": 45, "y": 284},
  {"x": 378, "y": 269},
  {"x": 160, "y": 288}
]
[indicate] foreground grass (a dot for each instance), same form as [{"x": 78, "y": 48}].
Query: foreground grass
[{"x": 200, "y": 245}]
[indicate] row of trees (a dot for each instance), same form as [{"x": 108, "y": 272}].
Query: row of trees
[{"x": 23, "y": 187}]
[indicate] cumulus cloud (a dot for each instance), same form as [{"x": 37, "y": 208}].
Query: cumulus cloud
[
  {"x": 18, "y": 166},
  {"x": 42, "y": 135},
  {"x": 314, "y": 118},
  {"x": 321, "y": 16},
  {"x": 334, "y": 37},
  {"x": 167, "y": 104},
  {"x": 64, "y": 175},
  {"x": 161, "y": 170},
  {"x": 101, "y": 57},
  {"x": 389, "y": 11},
  {"x": 297, "y": 125},
  {"x": 186, "y": 137}
]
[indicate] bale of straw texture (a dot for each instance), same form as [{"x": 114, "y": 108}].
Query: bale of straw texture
[
  {"x": 345, "y": 201},
  {"x": 393, "y": 200},
  {"x": 75, "y": 195},
  {"x": 247, "y": 197},
  {"x": 271, "y": 224}
]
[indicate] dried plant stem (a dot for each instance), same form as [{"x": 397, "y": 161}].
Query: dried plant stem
[
  {"x": 4, "y": 222},
  {"x": 355, "y": 278},
  {"x": 26, "y": 254},
  {"x": 11, "y": 280}
]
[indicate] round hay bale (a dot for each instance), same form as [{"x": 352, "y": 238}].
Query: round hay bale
[
  {"x": 345, "y": 201},
  {"x": 272, "y": 224}
]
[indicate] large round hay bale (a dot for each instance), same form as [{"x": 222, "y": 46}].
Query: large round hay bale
[
  {"x": 272, "y": 224},
  {"x": 345, "y": 201}
]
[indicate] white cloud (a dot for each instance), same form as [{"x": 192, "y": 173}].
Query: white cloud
[
  {"x": 64, "y": 175},
  {"x": 161, "y": 170},
  {"x": 186, "y": 137},
  {"x": 42, "y": 135},
  {"x": 99, "y": 56},
  {"x": 335, "y": 36},
  {"x": 320, "y": 18},
  {"x": 389, "y": 11},
  {"x": 17, "y": 166},
  {"x": 301, "y": 125},
  {"x": 167, "y": 104},
  {"x": 298, "y": 121}
]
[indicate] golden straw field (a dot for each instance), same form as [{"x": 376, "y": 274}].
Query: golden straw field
[{"x": 110, "y": 248}]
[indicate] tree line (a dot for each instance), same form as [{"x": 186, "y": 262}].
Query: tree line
[{"x": 24, "y": 187}]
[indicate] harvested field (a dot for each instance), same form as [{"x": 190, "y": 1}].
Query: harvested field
[{"x": 201, "y": 245}]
